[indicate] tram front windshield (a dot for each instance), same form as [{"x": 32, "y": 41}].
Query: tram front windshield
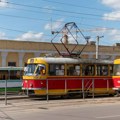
[
  {"x": 116, "y": 71},
  {"x": 30, "y": 69}
]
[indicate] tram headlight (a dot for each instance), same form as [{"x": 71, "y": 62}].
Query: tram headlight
[
  {"x": 26, "y": 81},
  {"x": 41, "y": 83},
  {"x": 31, "y": 85},
  {"x": 118, "y": 81}
]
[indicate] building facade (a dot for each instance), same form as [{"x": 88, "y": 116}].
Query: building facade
[{"x": 16, "y": 53}]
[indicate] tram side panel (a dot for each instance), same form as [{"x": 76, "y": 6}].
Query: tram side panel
[{"x": 59, "y": 86}]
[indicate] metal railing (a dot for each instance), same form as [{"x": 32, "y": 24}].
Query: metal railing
[{"x": 87, "y": 84}]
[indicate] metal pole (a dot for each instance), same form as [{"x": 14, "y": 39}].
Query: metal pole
[
  {"x": 6, "y": 87},
  {"x": 93, "y": 87},
  {"x": 107, "y": 85},
  {"x": 47, "y": 90},
  {"x": 83, "y": 89},
  {"x": 97, "y": 42},
  {"x": 97, "y": 46},
  {"x": 27, "y": 89},
  {"x": 5, "y": 91},
  {"x": 65, "y": 86}
]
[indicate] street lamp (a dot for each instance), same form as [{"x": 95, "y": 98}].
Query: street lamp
[
  {"x": 87, "y": 38},
  {"x": 97, "y": 45}
]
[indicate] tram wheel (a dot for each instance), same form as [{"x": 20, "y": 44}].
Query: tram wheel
[
  {"x": 64, "y": 96},
  {"x": 117, "y": 93}
]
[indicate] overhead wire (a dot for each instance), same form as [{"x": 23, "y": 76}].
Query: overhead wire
[
  {"x": 59, "y": 10},
  {"x": 51, "y": 9},
  {"x": 73, "y": 5},
  {"x": 43, "y": 8},
  {"x": 39, "y": 12}
]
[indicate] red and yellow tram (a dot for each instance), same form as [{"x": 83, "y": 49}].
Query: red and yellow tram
[
  {"x": 116, "y": 76},
  {"x": 67, "y": 76}
]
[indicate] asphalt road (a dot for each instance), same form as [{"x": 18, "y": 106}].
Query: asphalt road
[{"x": 90, "y": 109}]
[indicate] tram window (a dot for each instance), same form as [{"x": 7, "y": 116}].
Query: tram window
[
  {"x": 111, "y": 70},
  {"x": 77, "y": 70},
  {"x": 117, "y": 70},
  {"x": 73, "y": 70},
  {"x": 14, "y": 74},
  {"x": 40, "y": 70},
  {"x": 56, "y": 69},
  {"x": 88, "y": 70},
  {"x": 29, "y": 69},
  {"x": 102, "y": 70},
  {"x": 3, "y": 75}
]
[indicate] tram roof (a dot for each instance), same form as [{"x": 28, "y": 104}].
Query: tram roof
[
  {"x": 117, "y": 61},
  {"x": 73, "y": 60}
]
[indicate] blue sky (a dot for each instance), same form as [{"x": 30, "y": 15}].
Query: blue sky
[{"x": 32, "y": 20}]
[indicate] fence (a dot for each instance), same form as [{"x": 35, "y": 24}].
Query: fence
[{"x": 86, "y": 86}]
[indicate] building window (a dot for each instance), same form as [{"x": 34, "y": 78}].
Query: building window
[{"x": 12, "y": 64}]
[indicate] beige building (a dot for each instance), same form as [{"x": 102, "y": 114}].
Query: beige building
[{"x": 16, "y": 53}]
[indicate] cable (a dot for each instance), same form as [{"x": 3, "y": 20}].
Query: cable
[
  {"x": 38, "y": 19},
  {"x": 30, "y": 18},
  {"x": 54, "y": 13},
  {"x": 58, "y": 10},
  {"x": 68, "y": 4},
  {"x": 86, "y": 14}
]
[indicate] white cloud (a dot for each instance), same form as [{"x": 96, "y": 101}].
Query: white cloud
[
  {"x": 31, "y": 36},
  {"x": 55, "y": 25},
  {"x": 2, "y": 35},
  {"x": 115, "y": 5},
  {"x": 112, "y": 3},
  {"x": 3, "y": 3},
  {"x": 114, "y": 35},
  {"x": 112, "y": 16}
]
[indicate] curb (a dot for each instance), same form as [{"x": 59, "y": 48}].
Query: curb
[{"x": 13, "y": 97}]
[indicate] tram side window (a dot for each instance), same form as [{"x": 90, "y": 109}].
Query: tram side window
[
  {"x": 73, "y": 70},
  {"x": 111, "y": 70},
  {"x": 102, "y": 70},
  {"x": 88, "y": 70},
  {"x": 56, "y": 69},
  {"x": 14, "y": 74},
  {"x": 3, "y": 75}
]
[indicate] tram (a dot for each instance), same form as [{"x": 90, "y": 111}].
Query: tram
[
  {"x": 116, "y": 76},
  {"x": 67, "y": 76},
  {"x": 13, "y": 77}
]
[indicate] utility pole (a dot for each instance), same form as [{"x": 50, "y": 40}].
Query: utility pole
[{"x": 97, "y": 45}]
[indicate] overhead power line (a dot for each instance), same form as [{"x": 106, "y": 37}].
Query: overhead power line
[
  {"x": 58, "y": 10},
  {"x": 30, "y": 18},
  {"x": 69, "y": 4},
  {"x": 39, "y": 12},
  {"x": 42, "y": 19}
]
